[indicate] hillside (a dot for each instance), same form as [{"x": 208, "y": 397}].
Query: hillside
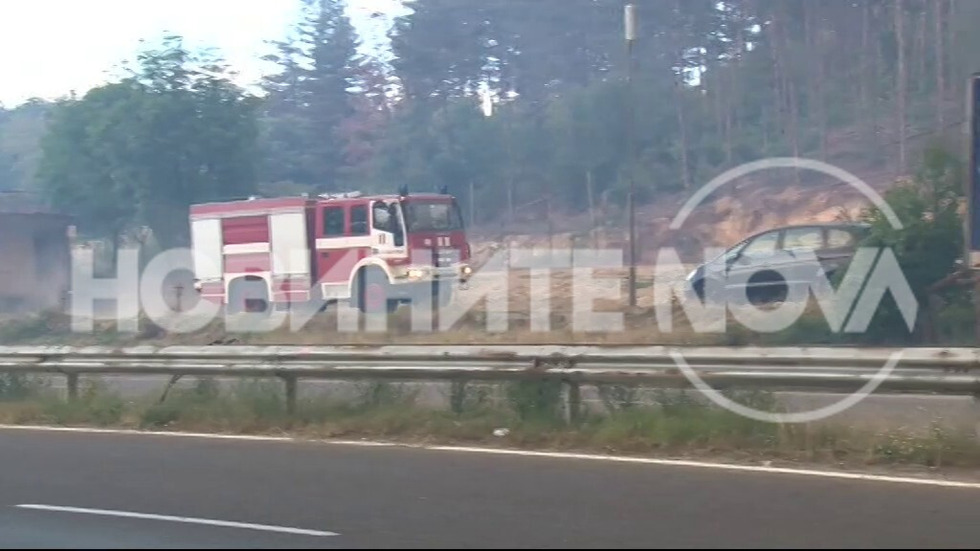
[
  {"x": 746, "y": 206},
  {"x": 740, "y": 208}
]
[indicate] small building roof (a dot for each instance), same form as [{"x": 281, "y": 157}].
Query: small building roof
[{"x": 22, "y": 202}]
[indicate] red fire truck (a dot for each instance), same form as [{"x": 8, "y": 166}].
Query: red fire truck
[{"x": 373, "y": 251}]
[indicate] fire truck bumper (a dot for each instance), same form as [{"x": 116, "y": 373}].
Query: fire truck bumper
[
  {"x": 426, "y": 275},
  {"x": 424, "y": 281}
]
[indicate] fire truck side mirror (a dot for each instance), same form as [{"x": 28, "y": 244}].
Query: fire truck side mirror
[{"x": 394, "y": 224}]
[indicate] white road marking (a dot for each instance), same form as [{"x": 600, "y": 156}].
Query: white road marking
[
  {"x": 245, "y": 437},
  {"x": 185, "y": 520},
  {"x": 523, "y": 453},
  {"x": 720, "y": 466},
  {"x": 205, "y": 435}
]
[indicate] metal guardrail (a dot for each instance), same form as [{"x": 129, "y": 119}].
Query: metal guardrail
[
  {"x": 952, "y": 371},
  {"x": 753, "y": 354}
]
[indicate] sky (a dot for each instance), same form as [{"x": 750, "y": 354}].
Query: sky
[{"x": 49, "y": 48}]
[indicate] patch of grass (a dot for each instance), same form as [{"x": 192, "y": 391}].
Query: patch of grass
[
  {"x": 618, "y": 397},
  {"x": 19, "y": 386},
  {"x": 681, "y": 426},
  {"x": 466, "y": 396},
  {"x": 21, "y": 412},
  {"x": 377, "y": 394},
  {"x": 104, "y": 412},
  {"x": 536, "y": 401},
  {"x": 95, "y": 406},
  {"x": 941, "y": 448},
  {"x": 249, "y": 405}
]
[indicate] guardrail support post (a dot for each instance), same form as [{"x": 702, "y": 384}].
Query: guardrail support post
[
  {"x": 457, "y": 396},
  {"x": 290, "y": 381},
  {"x": 574, "y": 401},
  {"x": 72, "y": 387}
]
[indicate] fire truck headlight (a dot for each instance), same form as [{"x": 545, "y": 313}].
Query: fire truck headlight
[
  {"x": 467, "y": 271},
  {"x": 415, "y": 273}
]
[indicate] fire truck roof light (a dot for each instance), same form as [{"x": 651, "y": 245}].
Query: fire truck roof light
[{"x": 346, "y": 195}]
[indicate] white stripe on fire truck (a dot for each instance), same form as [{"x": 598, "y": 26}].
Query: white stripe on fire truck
[
  {"x": 245, "y": 213},
  {"x": 247, "y": 248},
  {"x": 331, "y": 243}
]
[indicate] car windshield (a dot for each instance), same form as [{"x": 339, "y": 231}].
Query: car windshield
[
  {"x": 729, "y": 254},
  {"x": 434, "y": 216}
]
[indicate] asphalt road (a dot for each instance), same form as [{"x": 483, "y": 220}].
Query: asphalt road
[{"x": 388, "y": 497}]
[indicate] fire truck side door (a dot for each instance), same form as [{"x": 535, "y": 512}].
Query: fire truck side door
[{"x": 387, "y": 231}]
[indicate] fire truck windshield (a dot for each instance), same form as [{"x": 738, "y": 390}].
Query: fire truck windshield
[{"x": 426, "y": 217}]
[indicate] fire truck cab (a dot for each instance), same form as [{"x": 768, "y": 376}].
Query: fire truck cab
[{"x": 375, "y": 251}]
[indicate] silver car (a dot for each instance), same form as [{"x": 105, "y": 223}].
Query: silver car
[{"x": 766, "y": 265}]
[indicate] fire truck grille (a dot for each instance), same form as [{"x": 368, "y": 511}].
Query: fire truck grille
[{"x": 443, "y": 258}]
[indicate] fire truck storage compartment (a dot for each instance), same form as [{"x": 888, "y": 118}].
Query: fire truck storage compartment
[
  {"x": 207, "y": 242},
  {"x": 242, "y": 230},
  {"x": 290, "y": 249}
]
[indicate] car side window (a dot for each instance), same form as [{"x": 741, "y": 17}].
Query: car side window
[
  {"x": 733, "y": 253},
  {"x": 839, "y": 239},
  {"x": 763, "y": 245},
  {"x": 803, "y": 239}
]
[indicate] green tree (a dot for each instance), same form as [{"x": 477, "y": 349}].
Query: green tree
[
  {"x": 21, "y": 129},
  {"x": 79, "y": 170},
  {"x": 140, "y": 151},
  {"x": 929, "y": 243},
  {"x": 309, "y": 99},
  {"x": 716, "y": 84}
]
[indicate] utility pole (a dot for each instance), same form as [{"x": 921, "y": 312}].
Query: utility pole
[
  {"x": 630, "y": 30},
  {"x": 971, "y": 249},
  {"x": 472, "y": 204}
]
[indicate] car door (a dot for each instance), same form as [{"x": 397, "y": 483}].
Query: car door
[
  {"x": 801, "y": 247},
  {"x": 752, "y": 266},
  {"x": 840, "y": 246}
]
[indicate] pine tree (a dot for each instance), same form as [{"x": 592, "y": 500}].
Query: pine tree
[{"x": 310, "y": 98}]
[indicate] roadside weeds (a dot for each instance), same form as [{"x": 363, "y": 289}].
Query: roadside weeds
[{"x": 528, "y": 416}]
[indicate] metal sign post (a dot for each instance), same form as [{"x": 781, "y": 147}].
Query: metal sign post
[
  {"x": 972, "y": 218},
  {"x": 630, "y": 35},
  {"x": 971, "y": 247}
]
